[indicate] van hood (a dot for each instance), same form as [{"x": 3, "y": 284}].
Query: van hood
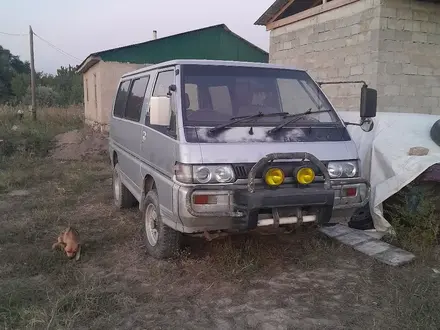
[
  {"x": 252, "y": 153},
  {"x": 236, "y": 145}
]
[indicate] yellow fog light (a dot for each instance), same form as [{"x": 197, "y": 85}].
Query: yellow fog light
[
  {"x": 274, "y": 177},
  {"x": 305, "y": 175}
]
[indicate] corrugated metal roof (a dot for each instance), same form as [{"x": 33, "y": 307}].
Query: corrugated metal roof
[
  {"x": 271, "y": 12},
  {"x": 213, "y": 42}
]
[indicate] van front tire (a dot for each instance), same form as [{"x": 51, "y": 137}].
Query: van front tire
[
  {"x": 161, "y": 241},
  {"x": 123, "y": 198}
]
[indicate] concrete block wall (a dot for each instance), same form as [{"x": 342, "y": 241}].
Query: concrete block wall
[
  {"x": 393, "y": 45},
  {"x": 337, "y": 45},
  {"x": 409, "y": 57}
]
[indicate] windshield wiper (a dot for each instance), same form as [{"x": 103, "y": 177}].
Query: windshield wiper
[
  {"x": 294, "y": 118},
  {"x": 236, "y": 120}
]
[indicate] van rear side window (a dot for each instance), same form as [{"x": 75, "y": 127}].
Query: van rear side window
[
  {"x": 136, "y": 98},
  {"x": 121, "y": 99}
]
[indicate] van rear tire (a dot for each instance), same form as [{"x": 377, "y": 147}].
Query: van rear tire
[
  {"x": 161, "y": 241},
  {"x": 122, "y": 197}
]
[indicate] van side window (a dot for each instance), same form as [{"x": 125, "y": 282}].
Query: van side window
[
  {"x": 161, "y": 88},
  {"x": 163, "y": 82},
  {"x": 136, "y": 99},
  {"x": 121, "y": 99}
]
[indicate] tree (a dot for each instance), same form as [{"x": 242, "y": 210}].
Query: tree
[
  {"x": 20, "y": 85},
  {"x": 69, "y": 86},
  {"x": 62, "y": 89},
  {"x": 10, "y": 66}
]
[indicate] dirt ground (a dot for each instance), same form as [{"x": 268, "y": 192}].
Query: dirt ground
[
  {"x": 78, "y": 145},
  {"x": 297, "y": 281}
]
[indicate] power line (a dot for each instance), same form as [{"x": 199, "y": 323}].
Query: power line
[
  {"x": 42, "y": 39},
  {"x": 14, "y": 34},
  {"x": 56, "y": 48}
]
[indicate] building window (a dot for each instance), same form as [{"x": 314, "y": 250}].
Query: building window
[
  {"x": 87, "y": 90},
  {"x": 96, "y": 94}
]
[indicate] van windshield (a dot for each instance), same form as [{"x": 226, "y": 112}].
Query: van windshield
[{"x": 212, "y": 95}]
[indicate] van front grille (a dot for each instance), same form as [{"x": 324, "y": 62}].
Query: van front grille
[{"x": 241, "y": 172}]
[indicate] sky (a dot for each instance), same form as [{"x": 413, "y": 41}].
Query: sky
[{"x": 82, "y": 27}]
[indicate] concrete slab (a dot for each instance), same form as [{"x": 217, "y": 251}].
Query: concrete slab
[
  {"x": 374, "y": 233},
  {"x": 372, "y": 247},
  {"x": 395, "y": 256},
  {"x": 365, "y": 243},
  {"x": 336, "y": 230},
  {"x": 354, "y": 238}
]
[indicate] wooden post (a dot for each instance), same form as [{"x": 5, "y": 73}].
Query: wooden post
[{"x": 31, "y": 45}]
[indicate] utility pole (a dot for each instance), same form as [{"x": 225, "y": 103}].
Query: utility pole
[{"x": 31, "y": 45}]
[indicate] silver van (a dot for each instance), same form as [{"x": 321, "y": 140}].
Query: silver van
[{"x": 212, "y": 147}]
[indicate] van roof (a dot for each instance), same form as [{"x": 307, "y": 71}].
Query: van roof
[{"x": 208, "y": 62}]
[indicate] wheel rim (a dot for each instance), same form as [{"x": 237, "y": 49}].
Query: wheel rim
[
  {"x": 151, "y": 224},
  {"x": 116, "y": 186}
]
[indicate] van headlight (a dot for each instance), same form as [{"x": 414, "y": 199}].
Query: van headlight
[
  {"x": 204, "y": 174},
  {"x": 213, "y": 174},
  {"x": 224, "y": 174},
  {"x": 347, "y": 169}
]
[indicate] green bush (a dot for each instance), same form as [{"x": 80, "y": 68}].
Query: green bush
[
  {"x": 413, "y": 214},
  {"x": 44, "y": 96}
]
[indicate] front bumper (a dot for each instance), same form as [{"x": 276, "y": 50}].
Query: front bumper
[
  {"x": 236, "y": 203},
  {"x": 240, "y": 205},
  {"x": 283, "y": 197},
  {"x": 283, "y": 203}
]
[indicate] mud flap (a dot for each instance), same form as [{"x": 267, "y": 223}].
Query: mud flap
[
  {"x": 324, "y": 215},
  {"x": 245, "y": 223}
]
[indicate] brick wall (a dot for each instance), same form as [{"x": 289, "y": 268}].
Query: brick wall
[
  {"x": 409, "y": 57},
  {"x": 336, "y": 45},
  {"x": 394, "y": 45}
]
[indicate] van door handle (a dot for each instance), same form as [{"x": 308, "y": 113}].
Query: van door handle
[{"x": 144, "y": 135}]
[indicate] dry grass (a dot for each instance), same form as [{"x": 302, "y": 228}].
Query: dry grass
[
  {"x": 296, "y": 281},
  {"x": 33, "y": 138},
  {"x": 24, "y": 143}
]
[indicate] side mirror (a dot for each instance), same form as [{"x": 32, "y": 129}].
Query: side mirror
[
  {"x": 367, "y": 124},
  {"x": 160, "y": 110},
  {"x": 368, "y": 106}
]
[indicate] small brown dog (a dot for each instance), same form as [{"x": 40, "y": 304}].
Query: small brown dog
[{"x": 69, "y": 240}]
